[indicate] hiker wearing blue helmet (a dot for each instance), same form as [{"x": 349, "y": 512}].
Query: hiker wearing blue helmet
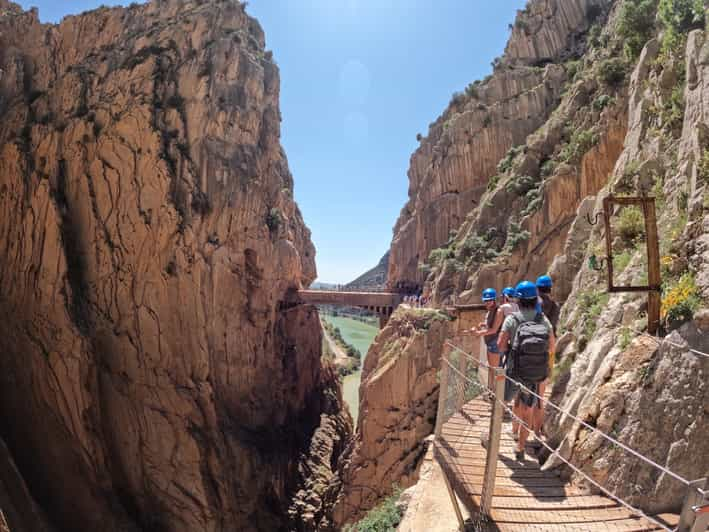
[
  {"x": 489, "y": 330},
  {"x": 509, "y": 294},
  {"x": 528, "y": 337},
  {"x": 550, "y": 308}
]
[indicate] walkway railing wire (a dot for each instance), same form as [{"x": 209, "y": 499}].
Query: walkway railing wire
[
  {"x": 609, "y": 438},
  {"x": 465, "y": 386}
]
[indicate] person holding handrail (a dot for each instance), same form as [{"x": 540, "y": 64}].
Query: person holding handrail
[
  {"x": 528, "y": 337},
  {"x": 489, "y": 329}
]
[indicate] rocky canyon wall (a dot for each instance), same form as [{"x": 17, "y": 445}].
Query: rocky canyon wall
[
  {"x": 151, "y": 379},
  {"x": 630, "y": 119},
  {"x": 398, "y": 398},
  {"x": 452, "y": 168}
]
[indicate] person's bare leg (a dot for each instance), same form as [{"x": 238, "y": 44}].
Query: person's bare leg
[
  {"x": 516, "y": 410},
  {"x": 493, "y": 359},
  {"x": 539, "y": 410},
  {"x": 526, "y": 416}
]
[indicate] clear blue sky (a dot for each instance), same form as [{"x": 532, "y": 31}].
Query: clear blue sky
[{"x": 359, "y": 80}]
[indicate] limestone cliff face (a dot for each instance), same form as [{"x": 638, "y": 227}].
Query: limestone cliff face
[
  {"x": 398, "y": 398},
  {"x": 151, "y": 379},
  {"x": 651, "y": 394},
  {"x": 624, "y": 125},
  {"x": 451, "y": 169}
]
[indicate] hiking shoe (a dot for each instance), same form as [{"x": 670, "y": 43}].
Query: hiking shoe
[
  {"x": 519, "y": 456},
  {"x": 484, "y": 438}
]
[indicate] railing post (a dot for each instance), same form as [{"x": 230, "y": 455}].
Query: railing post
[
  {"x": 694, "y": 498},
  {"x": 442, "y": 391},
  {"x": 493, "y": 443}
]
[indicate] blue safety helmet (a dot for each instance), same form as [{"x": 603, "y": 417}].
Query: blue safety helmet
[
  {"x": 544, "y": 282},
  {"x": 489, "y": 294},
  {"x": 509, "y": 291},
  {"x": 526, "y": 290}
]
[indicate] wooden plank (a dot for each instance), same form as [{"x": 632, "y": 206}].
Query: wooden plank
[
  {"x": 524, "y": 498},
  {"x": 624, "y": 525},
  {"x": 550, "y": 503},
  {"x": 586, "y": 515}
]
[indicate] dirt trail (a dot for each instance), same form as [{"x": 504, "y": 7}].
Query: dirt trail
[{"x": 341, "y": 358}]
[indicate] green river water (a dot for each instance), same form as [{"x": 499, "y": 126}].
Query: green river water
[{"x": 361, "y": 335}]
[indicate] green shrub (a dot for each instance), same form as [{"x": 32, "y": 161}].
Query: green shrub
[
  {"x": 515, "y": 236},
  {"x": 672, "y": 111},
  {"x": 631, "y": 224},
  {"x": 591, "y": 303},
  {"x": 477, "y": 249},
  {"x": 612, "y": 71},
  {"x": 572, "y": 69},
  {"x": 534, "y": 201},
  {"x": 594, "y": 36},
  {"x": 548, "y": 167},
  {"x": 437, "y": 256},
  {"x": 520, "y": 185},
  {"x": 636, "y": 25},
  {"x": 494, "y": 180},
  {"x": 471, "y": 91},
  {"x": 624, "y": 338},
  {"x": 603, "y": 101},
  {"x": 621, "y": 261},
  {"x": 383, "y": 518},
  {"x": 579, "y": 143},
  {"x": 505, "y": 164},
  {"x": 274, "y": 219},
  {"x": 678, "y": 17}
]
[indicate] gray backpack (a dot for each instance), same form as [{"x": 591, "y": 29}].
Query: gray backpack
[{"x": 530, "y": 349}]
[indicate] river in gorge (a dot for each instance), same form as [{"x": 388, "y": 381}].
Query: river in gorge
[{"x": 361, "y": 335}]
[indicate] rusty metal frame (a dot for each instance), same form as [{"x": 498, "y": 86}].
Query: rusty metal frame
[{"x": 653, "y": 288}]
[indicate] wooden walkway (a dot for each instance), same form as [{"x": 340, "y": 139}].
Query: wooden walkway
[{"x": 525, "y": 498}]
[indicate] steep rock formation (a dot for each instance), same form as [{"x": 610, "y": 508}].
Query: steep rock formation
[
  {"x": 452, "y": 167},
  {"x": 398, "y": 398},
  {"x": 17, "y": 506},
  {"x": 624, "y": 127},
  {"x": 376, "y": 278},
  {"x": 151, "y": 379},
  {"x": 651, "y": 395}
]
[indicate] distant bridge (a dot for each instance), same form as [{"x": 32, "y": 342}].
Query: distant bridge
[{"x": 380, "y": 303}]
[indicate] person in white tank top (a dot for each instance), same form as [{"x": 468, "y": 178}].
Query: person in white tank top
[{"x": 508, "y": 306}]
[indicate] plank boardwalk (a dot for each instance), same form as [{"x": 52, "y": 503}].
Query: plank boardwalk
[{"x": 525, "y": 498}]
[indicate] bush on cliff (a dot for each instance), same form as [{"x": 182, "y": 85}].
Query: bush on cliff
[
  {"x": 678, "y": 17},
  {"x": 636, "y": 25},
  {"x": 612, "y": 71},
  {"x": 383, "y": 518}
]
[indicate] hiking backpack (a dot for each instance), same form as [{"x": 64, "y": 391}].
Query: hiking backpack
[{"x": 530, "y": 349}]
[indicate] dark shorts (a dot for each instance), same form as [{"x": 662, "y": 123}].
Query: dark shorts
[
  {"x": 527, "y": 398},
  {"x": 491, "y": 345}
]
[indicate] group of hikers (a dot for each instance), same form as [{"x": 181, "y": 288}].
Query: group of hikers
[{"x": 520, "y": 335}]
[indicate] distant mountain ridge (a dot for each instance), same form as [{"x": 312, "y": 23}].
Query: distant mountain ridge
[{"x": 375, "y": 278}]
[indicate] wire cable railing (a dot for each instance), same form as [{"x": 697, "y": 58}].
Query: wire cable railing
[
  {"x": 461, "y": 377},
  {"x": 595, "y": 430}
]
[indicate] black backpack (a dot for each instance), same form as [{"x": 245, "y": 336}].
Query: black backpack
[{"x": 530, "y": 349}]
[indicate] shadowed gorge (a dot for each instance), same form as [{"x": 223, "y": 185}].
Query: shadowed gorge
[{"x": 150, "y": 378}]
